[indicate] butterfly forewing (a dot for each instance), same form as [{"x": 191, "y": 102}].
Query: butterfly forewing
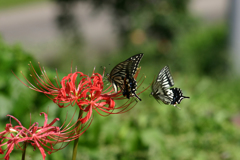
[
  {"x": 165, "y": 78},
  {"x": 163, "y": 82},
  {"x": 133, "y": 64}
]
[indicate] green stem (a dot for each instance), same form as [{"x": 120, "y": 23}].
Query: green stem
[
  {"x": 24, "y": 150},
  {"x": 75, "y": 146}
]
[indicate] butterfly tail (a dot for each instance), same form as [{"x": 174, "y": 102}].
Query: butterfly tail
[
  {"x": 137, "y": 96},
  {"x": 177, "y": 96}
]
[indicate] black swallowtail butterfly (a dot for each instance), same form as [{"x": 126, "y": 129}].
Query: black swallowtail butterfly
[
  {"x": 161, "y": 89},
  {"x": 122, "y": 75}
]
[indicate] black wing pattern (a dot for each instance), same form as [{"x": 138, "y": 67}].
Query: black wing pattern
[
  {"x": 161, "y": 89},
  {"x": 122, "y": 75}
]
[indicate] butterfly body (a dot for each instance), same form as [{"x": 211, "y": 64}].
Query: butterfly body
[
  {"x": 122, "y": 75},
  {"x": 161, "y": 89}
]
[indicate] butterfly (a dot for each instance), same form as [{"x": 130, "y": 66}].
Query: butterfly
[
  {"x": 161, "y": 89},
  {"x": 122, "y": 75}
]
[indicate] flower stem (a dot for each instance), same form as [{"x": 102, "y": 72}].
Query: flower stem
[
  {"x": 24, "y": 150},
  {"x": 75, "y": 146}
]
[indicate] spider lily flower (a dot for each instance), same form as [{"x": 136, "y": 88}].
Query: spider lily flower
[
  {"x": 42, "y": 137},
  {"x": 87, "y": 92}
]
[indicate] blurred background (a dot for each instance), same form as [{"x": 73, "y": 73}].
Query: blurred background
[{"x": 197, "y": 39}]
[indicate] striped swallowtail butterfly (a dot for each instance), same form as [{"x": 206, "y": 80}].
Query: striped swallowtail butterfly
[
  {"x": 122, "y": 75},
  {"x": 161, "y": 89}
]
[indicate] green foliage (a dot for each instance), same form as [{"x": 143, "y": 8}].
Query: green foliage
[
  {"x": 16, "y": 99},
  {"x": 13, "y": 93},
  {"x": 11, "y": 3},
  {"x": 204, "y": 128},
  {"x": 204, "y": 50}
]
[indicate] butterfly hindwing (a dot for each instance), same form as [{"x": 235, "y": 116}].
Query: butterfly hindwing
[
  {"x": 177, "y": 96},
  {"x": 161, "y": 88},
  {"x": 122, "y": 75}
]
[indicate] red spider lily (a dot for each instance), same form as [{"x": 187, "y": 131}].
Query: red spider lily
[
  {"x": 85, "y": 91},
  {"x": 42, "y": 137}
]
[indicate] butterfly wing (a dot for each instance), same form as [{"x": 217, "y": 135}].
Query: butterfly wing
[
  {"x": 118, "y": 74},
  {"x": 133, "y": 64},
  {"x": 161, "y": 91},
  {"x": 160, "y": 88},
  {"x": 130, "y": 83},
  {"x": 122, "y": 75},
  {"x": 177, "y": 96},
  {"x": 164, "y": 78}
]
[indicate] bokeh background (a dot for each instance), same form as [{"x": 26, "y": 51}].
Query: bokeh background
[{"x": 197, "y": 39}]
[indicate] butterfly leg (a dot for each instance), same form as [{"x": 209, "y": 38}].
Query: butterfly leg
[{"x": 176, "y": 106}]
